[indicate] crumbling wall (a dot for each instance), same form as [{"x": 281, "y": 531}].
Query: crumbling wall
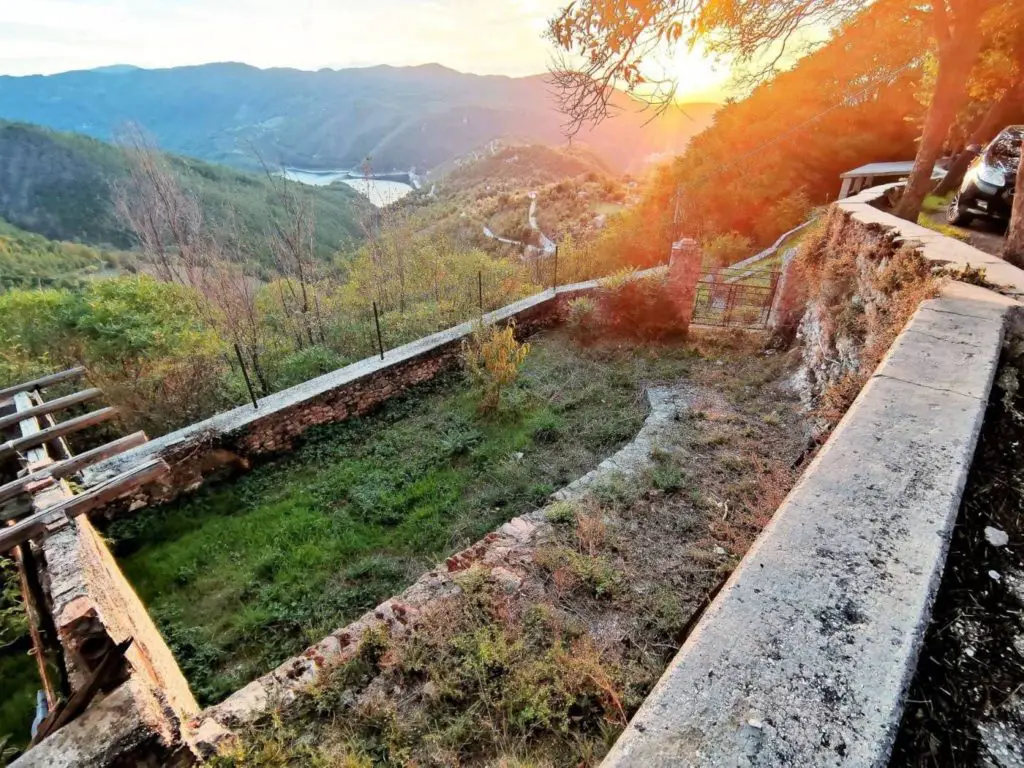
[{"x": 854, "y": 287}]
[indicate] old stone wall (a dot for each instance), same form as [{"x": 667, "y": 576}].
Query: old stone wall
[
  {"x": 852, "y": 288},
  {"x": 231, "y": 441}
]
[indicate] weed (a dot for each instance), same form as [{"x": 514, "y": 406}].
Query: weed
[
  {"x": 617, "y": 491},
  {"x": 493, "y": 357},
  {"x": 948, "y": 230},
  {"x": 561, "y": 513}
]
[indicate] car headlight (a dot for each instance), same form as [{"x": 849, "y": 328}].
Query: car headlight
[{"x": 990, "y": 175}]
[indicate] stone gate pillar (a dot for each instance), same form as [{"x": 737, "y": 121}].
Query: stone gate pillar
[{"x": 684, "y": 272}]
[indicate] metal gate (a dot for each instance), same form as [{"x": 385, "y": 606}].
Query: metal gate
[{"x": 735, "y": 298}]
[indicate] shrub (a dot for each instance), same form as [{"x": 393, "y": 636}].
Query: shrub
[
  {"x": 581, "y": 317},
  {"x": 493, "y": 356},
  {"x": 638, "y": 308},
  {"x": 725, "y": 249}
]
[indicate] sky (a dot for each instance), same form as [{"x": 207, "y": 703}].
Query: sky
[{"x": 480, "y": 36}]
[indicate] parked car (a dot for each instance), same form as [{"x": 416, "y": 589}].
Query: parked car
[{"x": 987, "y": 188}]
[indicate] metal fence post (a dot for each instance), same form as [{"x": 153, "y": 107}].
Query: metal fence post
[
  {"x": 376, "y": 322},
  {"x": 245, "y": 374},
  {"x": 554, "y": 286}
]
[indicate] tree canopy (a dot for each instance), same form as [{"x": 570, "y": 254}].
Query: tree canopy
[{"x": 612, "y": 40}]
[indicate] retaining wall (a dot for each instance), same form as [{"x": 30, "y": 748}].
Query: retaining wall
[
  {"x": 231, "y": 440},
  {"x": 805, "y": 656}
]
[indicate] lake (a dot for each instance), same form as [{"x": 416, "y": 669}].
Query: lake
[{"x": 380, "y": 192}]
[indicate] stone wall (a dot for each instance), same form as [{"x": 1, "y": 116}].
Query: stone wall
[
  {"x": 851, "y": 289},
  {"x": 231, "y": 441},
  {"x": 138, "y": 718},
  {"x": 805, "y": 656}
]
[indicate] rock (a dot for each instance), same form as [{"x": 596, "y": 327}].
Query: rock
[
  {"x": 996, "y": 537},
  {"x": 211, "y": 737},
  {"x": 994, "y": 575},
  {"x": 507, "y": 581}
]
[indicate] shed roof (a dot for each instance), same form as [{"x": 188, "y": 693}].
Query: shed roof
[{"x": 901, "y": 168}]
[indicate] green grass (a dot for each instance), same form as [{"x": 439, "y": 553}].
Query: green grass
[
  {"x": 936, "y": 203},
  {"x": 19, "y": 681},
  {"x": 243, "y": 575},
  {"x": 926, "y": 220}
]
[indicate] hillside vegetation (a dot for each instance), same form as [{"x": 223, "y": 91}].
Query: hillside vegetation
[
  {"x": 400, "y": 117},
  {"x": 60, "y": 185},
  {"x": 28, "y": 259}
]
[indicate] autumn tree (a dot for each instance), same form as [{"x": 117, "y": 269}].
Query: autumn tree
[
  {"x": 168, "y": 222},
  {"x": 995, "y": 88},
  {"x": 614, "y": 40}
]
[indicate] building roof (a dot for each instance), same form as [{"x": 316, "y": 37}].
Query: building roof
[{"x": 902, "y": 168}]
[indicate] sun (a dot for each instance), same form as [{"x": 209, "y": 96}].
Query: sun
[{"x": 696, "y": 75}]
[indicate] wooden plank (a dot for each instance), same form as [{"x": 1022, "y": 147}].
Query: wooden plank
[
  {"x": 50, "y": 406},
  {"x": 22, "y": 531},
  {"x": 76, "y": 424},
  {"x": 29, "y": 426},
  {"x": 95, "y": 497},
  {"x": 110, "y": 489},
  {"x": 70, "y": 466},
  {"x": 33, "y": 615},
  {"x": 81, "y": 698},
  {"x": 43, "y": 382}
]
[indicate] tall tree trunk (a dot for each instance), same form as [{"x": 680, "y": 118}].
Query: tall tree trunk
[
  {"x": 1013, "y": 252},
  {"x": 950, "y": 91},
  {"x": 958, "y": 30},
  {"x": 990, "y": 123}
]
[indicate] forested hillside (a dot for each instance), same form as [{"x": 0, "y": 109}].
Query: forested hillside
[
  {"x": 400, "y": 117},
  {"x": 61, "y": 185},
  {"x": 28, "y": 259}
]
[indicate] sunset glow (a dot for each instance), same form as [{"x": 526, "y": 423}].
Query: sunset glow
[{"x": 48, "y": 36}]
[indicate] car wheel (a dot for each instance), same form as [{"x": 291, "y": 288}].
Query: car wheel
[{"x": 955, "y": 214}]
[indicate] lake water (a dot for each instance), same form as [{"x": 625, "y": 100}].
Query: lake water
[{"x": 380, "y": 192}]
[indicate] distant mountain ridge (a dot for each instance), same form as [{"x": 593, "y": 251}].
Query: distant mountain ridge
[{"x": 399, "y": 117}]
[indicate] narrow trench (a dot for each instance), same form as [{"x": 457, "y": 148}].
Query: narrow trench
[{"x": 966, "y": 703}]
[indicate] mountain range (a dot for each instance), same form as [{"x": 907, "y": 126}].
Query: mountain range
[{"x": 399, "y": 117}]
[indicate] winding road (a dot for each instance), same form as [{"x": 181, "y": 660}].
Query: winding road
[{"x": 547, "y": 245}]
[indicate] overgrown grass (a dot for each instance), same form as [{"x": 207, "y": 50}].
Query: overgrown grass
[
  {"x": 246, "y": 574},
  {"x": 546, "y": 671}
]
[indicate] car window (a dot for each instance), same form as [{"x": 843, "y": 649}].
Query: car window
[{"x": 1006, "y": 146}]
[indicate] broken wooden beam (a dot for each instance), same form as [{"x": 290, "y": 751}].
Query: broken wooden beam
[
  {"x": 95, "y": 497},
  {"x": 110, "y": 489},
  {"x": 73, "y": 465},
  {"x": 37, "y": 456},
  {"x": 80, "y": 699},
  {"x": 22, "y": 531},
  {"x": 11, "y": 447},
  {"x": 43, "y": 382},
  {"x": 50, "y": 407}
]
